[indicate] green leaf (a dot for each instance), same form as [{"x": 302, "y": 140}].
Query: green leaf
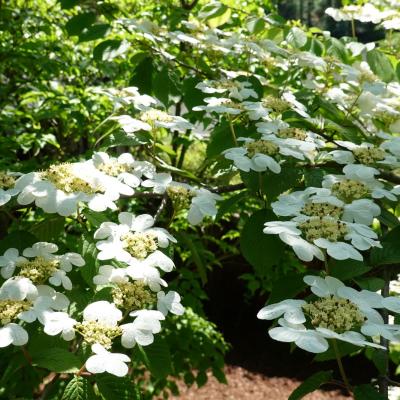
[
  {"x": 78, "y": 388},
  {"x": 18, "y": 239},
  {"x": 48, "y": 229},
  {"x": 367, "y": 392},
  {"x": 143, "y": 76},
  {"x": 89, "y": 253},
  {"x": 201, "y": 379},
  {"x": 191, "y": 95},
  {"x": 347, "y": 269},
  {"x": 259, "y": 249},
  {"x": 337, "y": 49},
  {"x": 272, "y": 185},
  {"x": 220, "y": 140},
  {"x": 313, "y": 177},
  {"x": 380, "y": 65},
  {"x": 220, "y": 19},
  {"x": 78, "y": 23},
  {"x": 57, "y": 360},
  {"x": 94, "y": 32},
  {"x": 108, "y": 50},
  {"x": 213, "y": 9},
  {"x": 255, "y": 25},
  {"x": 114, "y": 388},
  {"x": 67, "y": 4},
  {"x": 373, "y": 284},
  {"x": 122, "y": 139},
  {"x": 158, "y": 358},
  {"x": 187, "y": 241},
  {"x": 165, "y": 84},
  {"x": 398, "y": 71},
  {"x": 230, "y": 203},
  {"x": 344, "y": 350},
  {"x": 311, "y": 384},
  {"x": 388, "y": 219},
  {"x": 95, "y": 218},
  {"x": 296, "y": 37},
  {"x": 390, "y": 251},
  {"x": 378, "y": 357},
  {"x": 287, "y": 287}
]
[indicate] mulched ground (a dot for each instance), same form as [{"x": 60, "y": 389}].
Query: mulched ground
[{"x": 247, "y": 385}]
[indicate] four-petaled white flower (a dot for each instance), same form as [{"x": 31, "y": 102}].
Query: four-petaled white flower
[
  {"x": 203, "y": 204},
  {"x": 103, "y": 312},
  {"x": 169, "y": 302},
  {"x": 105, "y": 361},
  {"x": 142, "y": 329}
]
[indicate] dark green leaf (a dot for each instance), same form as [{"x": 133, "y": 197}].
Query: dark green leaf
[
  {"x": 344, "y": 350},
  {"x": 367, "y": 392},
  {"x": 388, "y": 219},
  {"x": 230, "y": 203},
  {"x": 48, "y": 229},
  {"x": 310, "y": 384},
  {"x": 255, "y": 25},
  {"x": 78, "y": 388},
  {"x": 221, "y": 139},
  {"x": 158, "y": 358},
  {"x": 18, "y": 239},
  {"x": 272, "y": 185},
  {"x": 201, "y": 378},
  {"x": 347, "y": 269},
  {"x": 57, "y": 360},
  {"x": 373, "y": 284},
  {"x": 94, "y": 32},
  {"x": 287, "y": 287},
  {"x": 213, "y": 9},
  {"x": 380, "y": 65},
  {"x": 390, "y": 251},
  {"x": 114, "y": 388},
  {"x": 259, "y": 249},
  {"x": 122, "y": 139},
  {"x": 142, "y": 76},
  {"x": 296, "y": 37},
  {"x": 108, "y": 50},
  {"x": 78, "y": 23}
]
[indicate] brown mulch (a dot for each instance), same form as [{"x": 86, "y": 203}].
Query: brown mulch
[{"x": 246, "y": 385}]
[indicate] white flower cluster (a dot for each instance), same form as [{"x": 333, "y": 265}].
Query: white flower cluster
[
  {"x": 326, "y": 219},
  {"x": 21, "y": 300},
  {"x": 338, "y": 312},
  {"x": 40, "y": 265},
  {"x": 388, "y": 18},
  {"x": 135, "y": 289}
]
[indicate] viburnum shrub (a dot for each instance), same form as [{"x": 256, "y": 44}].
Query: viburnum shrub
[{"x": 143, "y": 145}]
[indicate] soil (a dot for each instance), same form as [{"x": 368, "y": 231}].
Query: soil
[{"x": 246, "y": 385}]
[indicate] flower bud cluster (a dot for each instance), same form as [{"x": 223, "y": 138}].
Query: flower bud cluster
[
  {"x": 10, "y": 309},
  {"x": 180, "y": 197},
  {"x": 64, "y": 178},
  {"x": 262, "y": 147},
  {"x": 349, "y": 190},
  {"x": 321, "y": 210},
  {"x": 6, "y": 181},
  {"x": 369, "y": 155},
  {"x": 38, "y": 270},
  {"x": 132, "y": 296},
  {"x": 139, "y": 245},
  {"x": 292, "y": 133},
  {"x": 323, "y": 227},
  {"x": 95, "y": 332},
  {"x": 338, "y": 315}
]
